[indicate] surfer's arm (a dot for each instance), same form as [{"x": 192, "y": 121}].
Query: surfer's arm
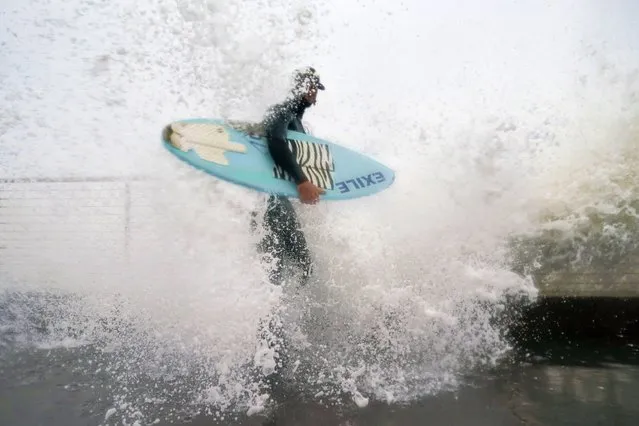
[
  {"x": 278, "y": 147},
  {"x": 283, "y": 157}
]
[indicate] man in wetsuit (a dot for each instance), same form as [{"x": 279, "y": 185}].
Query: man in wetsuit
[{"x": 284, "y": 237}]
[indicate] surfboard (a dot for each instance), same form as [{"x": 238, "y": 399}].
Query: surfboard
[{"x": 237, "y": 152}]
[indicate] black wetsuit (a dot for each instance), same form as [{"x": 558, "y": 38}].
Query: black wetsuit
[{"x": 284, "y": 237}]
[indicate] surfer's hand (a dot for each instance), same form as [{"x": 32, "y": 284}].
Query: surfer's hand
[{"x": 309, "y": 193}]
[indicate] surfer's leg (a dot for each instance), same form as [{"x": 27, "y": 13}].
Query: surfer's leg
[
  {"x": 295, "y": 245},
  {"x": 273, "y": 242},
  {"x": 270, "y": 246},
  {"x": 297, "y": 248},
  {"x": 285, "y": 235}
]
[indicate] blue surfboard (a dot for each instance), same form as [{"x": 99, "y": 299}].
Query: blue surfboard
[{"x": 237, "y": 152}]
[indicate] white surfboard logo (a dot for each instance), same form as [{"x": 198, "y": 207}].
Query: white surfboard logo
[{"x": 209, "y": 141}]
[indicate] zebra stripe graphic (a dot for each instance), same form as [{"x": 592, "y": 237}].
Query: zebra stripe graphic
[{"x": 315, "y": 160}]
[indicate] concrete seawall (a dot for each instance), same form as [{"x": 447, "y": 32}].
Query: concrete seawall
[
  {"x": 597, "y": 256},
  {"x": 620, "y": 281},
  {"x": 606, "y": 279},
  {"x": 588, "y": 280}
]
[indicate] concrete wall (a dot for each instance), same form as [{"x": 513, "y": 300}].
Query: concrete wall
[
  {"x": 588, "y": 281},
  {"x": 597, "y": 258},
  {"x": 619, "y": 280}
]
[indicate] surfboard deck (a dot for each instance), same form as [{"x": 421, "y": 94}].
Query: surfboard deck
[{"x": 237, "y": 152}]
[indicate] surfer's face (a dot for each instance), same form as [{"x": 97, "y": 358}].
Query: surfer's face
[{"x": 311, "y": 96}]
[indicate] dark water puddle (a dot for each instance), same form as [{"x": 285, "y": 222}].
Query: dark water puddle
[{"x": 555, "y": 383}]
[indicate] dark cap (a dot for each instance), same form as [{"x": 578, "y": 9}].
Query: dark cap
[{"x": 306, "y": 78}]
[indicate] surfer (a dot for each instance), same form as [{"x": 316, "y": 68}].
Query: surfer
[{"x": 284, "y": 237}]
